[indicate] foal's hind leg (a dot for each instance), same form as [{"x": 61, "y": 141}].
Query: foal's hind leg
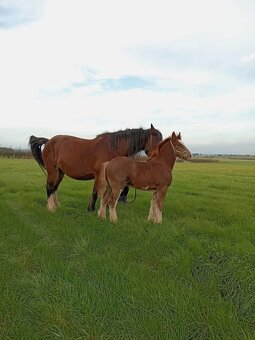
[
  {"x": 103, "y": 203},
  {"x": 112, "y": 202}
]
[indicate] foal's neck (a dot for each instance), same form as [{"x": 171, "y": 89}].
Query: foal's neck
[{"x": 166, "y": 154}]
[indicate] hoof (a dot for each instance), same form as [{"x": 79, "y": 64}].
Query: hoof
[{"x": 101, "y": 215}]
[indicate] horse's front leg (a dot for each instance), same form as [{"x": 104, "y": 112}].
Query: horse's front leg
[
  {"x": 93, "y": 199},
  {"x": 123, "y": 195}
]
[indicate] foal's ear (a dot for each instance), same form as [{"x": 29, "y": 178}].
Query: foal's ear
[{"x": 174, "y": 136}]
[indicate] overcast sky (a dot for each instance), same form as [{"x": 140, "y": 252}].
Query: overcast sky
[{"x": 82, "y": 67}]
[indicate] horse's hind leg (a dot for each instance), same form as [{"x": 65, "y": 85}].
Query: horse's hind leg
[
  {"x": 60, "y": 177},
  {"x": 55, "y": 176}
]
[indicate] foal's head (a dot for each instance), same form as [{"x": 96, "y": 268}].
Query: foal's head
[
  {"x": 153, "y": 140},
  {"x": 180, "y": 150}
]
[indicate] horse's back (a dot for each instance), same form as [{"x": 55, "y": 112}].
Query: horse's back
[
  {"x": 73, "y": 145},
  {"x": 76, "y": 157},
  {"x": 65, "y": 140}
]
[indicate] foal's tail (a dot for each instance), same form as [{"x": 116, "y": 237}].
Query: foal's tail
[
  {"x": 103, "y": 184},
  {"x": 36, "y": 144}
]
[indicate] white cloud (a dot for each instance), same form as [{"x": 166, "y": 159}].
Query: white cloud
[
  {"x": 52, "y": 70},
  {"x": 19, "y": 12},
  {"x": 249, "y": 58}
]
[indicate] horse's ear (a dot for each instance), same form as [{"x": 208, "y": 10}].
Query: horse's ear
[
  {"x": 179, "y": 136},
  {"x": 152, "y": 128},
  {"x": 174, "y": 136}
]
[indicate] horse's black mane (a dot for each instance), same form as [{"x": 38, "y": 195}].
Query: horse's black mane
[{"x": 136, "y": 139}]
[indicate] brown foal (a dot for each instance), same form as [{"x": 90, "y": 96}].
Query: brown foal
[{"x": 155, "y": 175}]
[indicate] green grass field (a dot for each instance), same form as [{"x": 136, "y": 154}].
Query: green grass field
[{"x": 69, "y": 275}]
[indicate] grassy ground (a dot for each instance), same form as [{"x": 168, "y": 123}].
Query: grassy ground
[{"x": 69, "y": 275}]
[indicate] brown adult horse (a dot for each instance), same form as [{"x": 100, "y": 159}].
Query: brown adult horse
[
  {"x": 82, "y": 159},
  {"x": 155, "y": 174}
]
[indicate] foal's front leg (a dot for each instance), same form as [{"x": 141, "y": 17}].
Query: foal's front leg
[
  {"x": 151, "y": 216},
  {"x": 160, "y": 197},
  {"x": 157, "y": 203}
]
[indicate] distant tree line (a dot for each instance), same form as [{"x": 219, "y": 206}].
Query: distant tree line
[
  {"x": 15, "y": 153},
  {"x": 197, "y": 157}
]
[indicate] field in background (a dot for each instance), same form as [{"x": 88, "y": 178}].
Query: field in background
[{"x": 69, "y": 275}]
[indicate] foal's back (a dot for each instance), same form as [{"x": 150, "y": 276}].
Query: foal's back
[{"x": 146, "y": 175}]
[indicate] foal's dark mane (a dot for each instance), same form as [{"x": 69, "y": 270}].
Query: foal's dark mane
[{"x": 136, "y": 139}]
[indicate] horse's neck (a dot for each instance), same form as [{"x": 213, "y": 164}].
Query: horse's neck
[
  {"x": 166, "y": 154},
  {"x": 122, "y": 149}
]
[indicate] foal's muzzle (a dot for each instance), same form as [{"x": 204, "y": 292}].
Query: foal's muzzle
[{"x": 187, "y": 155}]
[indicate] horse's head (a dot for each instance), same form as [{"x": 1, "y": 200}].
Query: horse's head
[
  {"x": 180, "y": 150},
  {"x": 153, "y": 140}
]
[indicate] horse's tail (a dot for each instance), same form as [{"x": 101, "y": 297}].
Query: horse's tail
[
  {"x": 36, "y": 144},
  {"x": 103, "y": 184}
]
